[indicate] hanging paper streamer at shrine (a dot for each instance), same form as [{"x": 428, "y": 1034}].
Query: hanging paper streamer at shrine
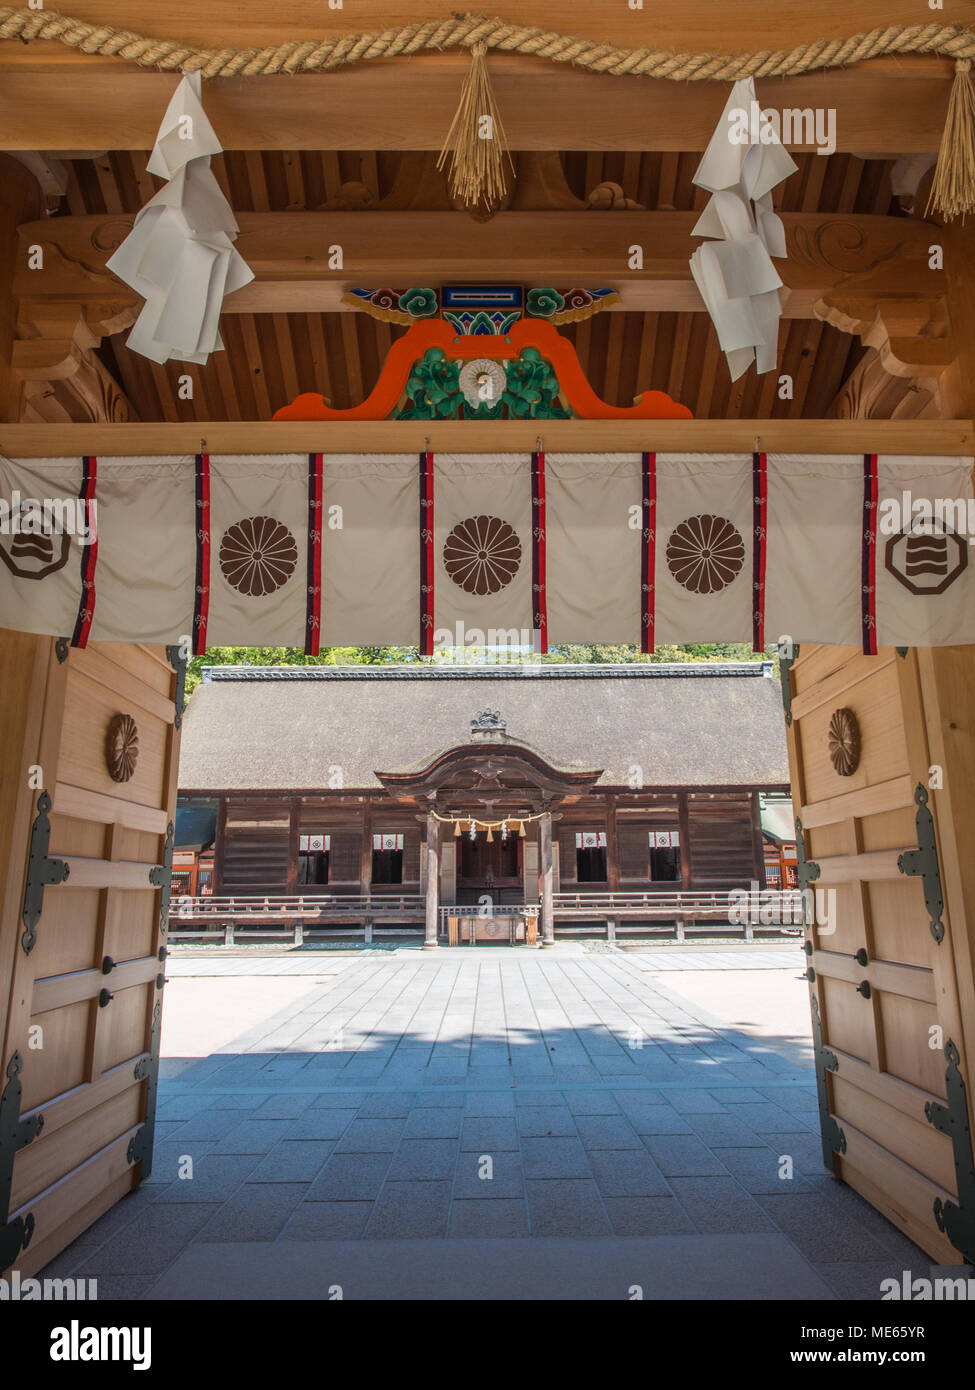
[
  {"x": 734, "y": 271},
  {"x": 509, "y": 550},
  {"x": 180, "y": 253}
]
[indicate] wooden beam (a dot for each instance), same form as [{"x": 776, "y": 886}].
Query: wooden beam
[
  {"x": 830, "y": 256},
  {"x": 52, "y": 98},
  {"x": 689, "y": 27},
  {"x": 927, "y": 437}
]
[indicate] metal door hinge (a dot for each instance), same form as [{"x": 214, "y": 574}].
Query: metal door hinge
[
  {"x": 147, "y": 1069},
  {"x": 42, "y": 871},
  {"x": 957, "y": 1222},
  {"x": 176, "y": 659},
  {"x": 834, "y": 1140},
  {"x": 923, "y": 863},
  {"x": 15, "y": 1134},
  {"x": 161, "y": 876},
  {"x": 807, "y": 870},
  {"x": 785, "y": 666}
]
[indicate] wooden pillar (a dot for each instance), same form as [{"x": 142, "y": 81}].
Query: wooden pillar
[
  {"x": 957, "y": 384},
  {"x": 365, "y": 852},
  {"x": 758, "y": 844},
  {"x": 291, "y": 877},
  {"x": 548, "y": 907},
  {"x": 684, "y": 825},
  {"x": 20, "y": 201},
  {"x": 529, "y": 864},
  {"x": 448, "y": 871},
  {"x": 433, "y": 882},
  {"x": 219, "y": 845},
  {"x": 612, "y": 847}
]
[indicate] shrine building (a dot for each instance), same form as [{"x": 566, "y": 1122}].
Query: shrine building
[{"x": 338, "y": 780}]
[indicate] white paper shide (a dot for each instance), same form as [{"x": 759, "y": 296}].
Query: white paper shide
[
  {"x": 734, "y": 271},
  {"x": 180, "y": 254}
]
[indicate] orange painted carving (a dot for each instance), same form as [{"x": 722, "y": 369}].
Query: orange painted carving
[{"x": 429, "y": 333}]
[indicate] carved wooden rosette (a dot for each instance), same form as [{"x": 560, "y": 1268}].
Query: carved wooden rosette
[
  {"x": 122, "y": 747},
  {"x": 844, "y": 742}
]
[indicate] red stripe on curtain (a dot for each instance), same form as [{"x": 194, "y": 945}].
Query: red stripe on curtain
[
  {"x": 89, "y": 557},
  {"x": 426, "y": 554},
  {"x": 648, "y": 554},
  {"x": 316, "y": 522},
  {"x": 868, "y": 559},
  {"x": 539, "y": 600},
  {"x": 760, "y": 528},
  {"x": 201, "y": 602}
]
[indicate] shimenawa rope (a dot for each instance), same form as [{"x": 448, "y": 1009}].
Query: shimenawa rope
[
  {"x": 477, "y": 163},
  {"x": 466, "y": 30}
]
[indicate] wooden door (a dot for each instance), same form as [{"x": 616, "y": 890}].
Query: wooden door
[
  {"x": 87, "y": 859},
  {"x": 883, "y": 796}
]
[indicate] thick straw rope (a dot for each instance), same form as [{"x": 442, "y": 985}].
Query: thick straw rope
[{"x": 463, "y": 31}]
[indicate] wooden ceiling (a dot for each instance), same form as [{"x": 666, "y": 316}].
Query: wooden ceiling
[{"x": 271, "y": 357}]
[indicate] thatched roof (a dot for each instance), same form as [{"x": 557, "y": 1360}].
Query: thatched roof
[{"x": 284, "y": 727}]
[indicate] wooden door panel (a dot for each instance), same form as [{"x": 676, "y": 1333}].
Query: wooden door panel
[
  {"x": 906, "y": 1026},
  {"x": 57, "y": 1155},
  {"x": 70, "y": 928},
  {"x": 845, "y": 1019},
  {"x": 907, "y": 1137},
  {"x": 896, "y": 909},
  {"x": 889, "y": 983},
  {"x": 86, "y": 981}
]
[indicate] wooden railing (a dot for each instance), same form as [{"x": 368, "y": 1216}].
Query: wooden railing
[
  {"x": 738, "y": 911},
  {"x": 660, "y": 901},
  {"x": 240, "y": 917}
]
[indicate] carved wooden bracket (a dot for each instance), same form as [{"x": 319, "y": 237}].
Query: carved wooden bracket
[
  {"x": 870, "y": 392},
  {"x": 910, "y": 336},
  {"x": 55, "y": 359}
]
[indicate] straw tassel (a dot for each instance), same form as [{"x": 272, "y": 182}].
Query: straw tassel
[
  {"x": 953, "y": 186},
  {"x": 475, "y": 147}
]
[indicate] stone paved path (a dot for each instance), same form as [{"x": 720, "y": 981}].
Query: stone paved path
[{"x": 550, "y": 1118}]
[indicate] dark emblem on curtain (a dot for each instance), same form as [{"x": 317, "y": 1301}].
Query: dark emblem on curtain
[
  {"x": 258, "y": 555},
  {"x": 34, "y": 555},
  {"x": 482, "y": 554},
  {"x": 926, "y": 560},
  {"x": 705, "y": 553}
]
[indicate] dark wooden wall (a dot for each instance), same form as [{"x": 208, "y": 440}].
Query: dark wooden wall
[
  {"x": 720, "y": 838},
  {"x": 257, "y": 839}
]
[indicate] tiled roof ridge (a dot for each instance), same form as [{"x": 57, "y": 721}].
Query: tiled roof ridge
[{"x": 562, "y": 671}]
